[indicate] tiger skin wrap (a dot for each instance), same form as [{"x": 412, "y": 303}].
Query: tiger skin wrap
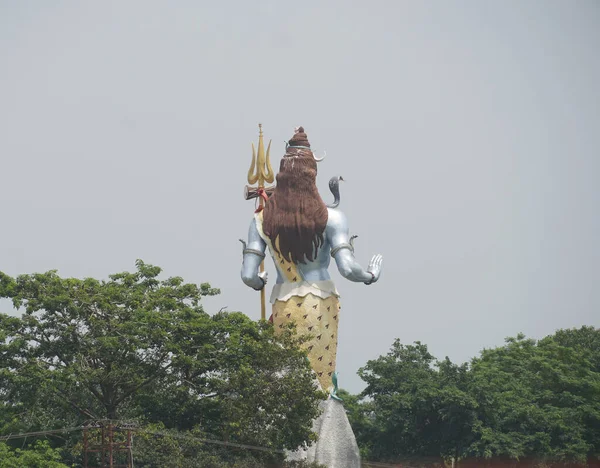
[{"x": 315, "y": 313}]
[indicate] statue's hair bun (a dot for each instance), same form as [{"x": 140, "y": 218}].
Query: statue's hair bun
[{"x": 299, "y": 138}]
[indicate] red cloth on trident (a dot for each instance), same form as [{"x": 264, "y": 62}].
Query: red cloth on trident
[{"x": 263, "y": 194}]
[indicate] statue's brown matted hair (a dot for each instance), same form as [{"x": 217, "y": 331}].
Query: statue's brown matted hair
[{"x": 296, "y": 213}]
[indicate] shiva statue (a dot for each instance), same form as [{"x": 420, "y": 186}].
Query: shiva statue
[{"x": 302, "y": 233}]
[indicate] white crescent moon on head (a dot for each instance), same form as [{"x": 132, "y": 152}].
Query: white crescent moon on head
[{"x": 320, "y": 159}]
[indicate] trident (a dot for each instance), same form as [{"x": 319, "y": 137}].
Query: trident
[{"x": 259, "y": 173}]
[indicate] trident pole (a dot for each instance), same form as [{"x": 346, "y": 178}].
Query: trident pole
[{"x": 260, "y": 172}]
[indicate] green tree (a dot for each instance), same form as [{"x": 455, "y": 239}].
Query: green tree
[
  {"x": 138, "y": 347},
  {"x": 12, "y": 389},
  {"x": 258, "y": 387},
  {"x": 177, "y": 449},
  {"x": 536, "y": 401},
  {"x": 585, "y": 339},
  {"x": 40, "y": 455},
  {"x": 415, "y": 406}
]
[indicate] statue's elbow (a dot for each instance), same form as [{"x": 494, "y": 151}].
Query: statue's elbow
[
  {"x": 346, "y": 271},
  {"x": 247, "y": 278}
]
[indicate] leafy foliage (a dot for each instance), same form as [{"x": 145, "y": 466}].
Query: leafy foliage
[
  {"x": 523, "y": 401},
  {"x": 136, "y": 347},
  {"x": 40, "y": 455},
  {"x": 536, "y": 399},
  {"x": 157, "y": 447},
  {"x": 415, "y": 408}
]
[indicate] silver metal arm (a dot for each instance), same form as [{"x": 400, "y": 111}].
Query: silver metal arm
[
  {"x": 342, "y": 251},
  {"x": 254, "y": 253}
]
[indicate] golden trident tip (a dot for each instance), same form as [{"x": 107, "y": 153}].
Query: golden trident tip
[{"x": 260, "y": 169}]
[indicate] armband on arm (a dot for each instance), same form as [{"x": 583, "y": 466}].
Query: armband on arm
[
  {"x": 341, "y": 247},
  {"x": 252, "y": 251}
]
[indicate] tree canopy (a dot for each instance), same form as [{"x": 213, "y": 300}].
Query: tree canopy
[
  {"x": 527, "y": 400},
  {"x": 140, "y": 348},
  {"x": 40, "y": 455}
]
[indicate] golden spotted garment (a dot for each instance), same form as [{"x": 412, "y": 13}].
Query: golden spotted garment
[{"x": 313, "y": 306}]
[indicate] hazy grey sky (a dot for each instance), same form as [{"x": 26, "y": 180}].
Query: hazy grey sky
[{"x": 468, "y": 133}]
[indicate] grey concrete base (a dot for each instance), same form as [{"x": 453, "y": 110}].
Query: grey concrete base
[{"x": 336, "y": 446}]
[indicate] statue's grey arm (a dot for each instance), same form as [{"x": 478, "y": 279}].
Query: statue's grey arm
[
  {"x": 337, "y": 232},
  {"x": 254, "y": 253}
]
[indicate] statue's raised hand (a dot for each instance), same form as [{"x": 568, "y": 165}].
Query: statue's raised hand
[
  {"x": 263, "y": 275},
  {"x": 375, "y": 267}
]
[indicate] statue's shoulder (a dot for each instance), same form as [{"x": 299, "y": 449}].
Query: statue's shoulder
[{"x": 336, "y": 220}]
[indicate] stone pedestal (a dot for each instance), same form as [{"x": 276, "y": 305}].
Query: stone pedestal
[{"x": 336, "y": 446}]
